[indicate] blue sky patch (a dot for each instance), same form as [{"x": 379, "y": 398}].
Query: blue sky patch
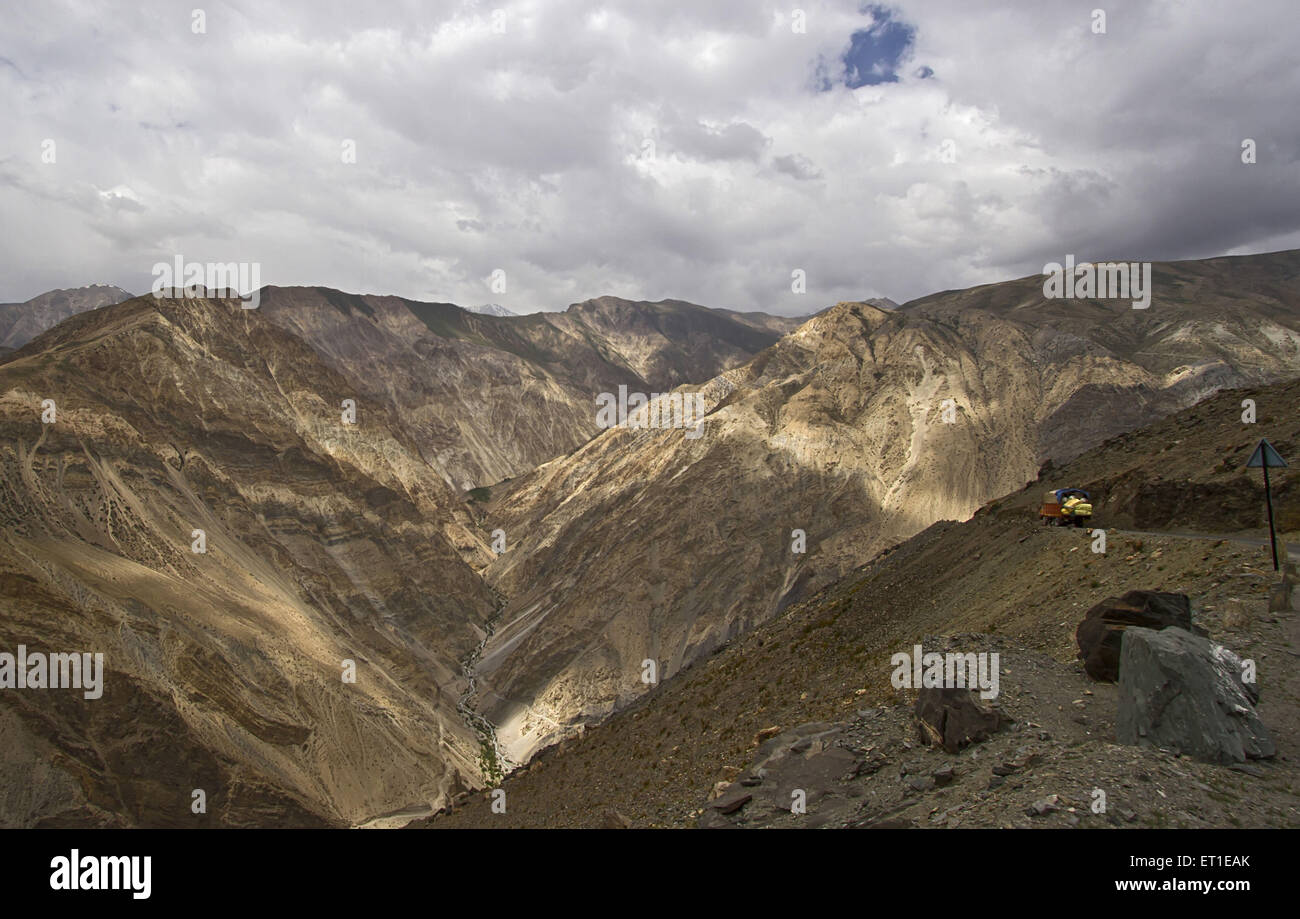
[{"x": 875, "y": 54}]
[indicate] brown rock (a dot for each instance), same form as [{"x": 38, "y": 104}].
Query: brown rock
[
  {"x": 1043, "y": 806},
  {"x": 1102, "y": 629},
  {"x": 732, "y": 801},
  {"x": 952, "y": 718}
]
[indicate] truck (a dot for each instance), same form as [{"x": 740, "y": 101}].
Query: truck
[{"x": 1066, "y": 507}]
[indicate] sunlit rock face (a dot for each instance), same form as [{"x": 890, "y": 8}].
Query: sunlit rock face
[
  {"x": 859, "y": 428},
  {"x": 179, "y": 425},
  {"x": 489, "y": 397},
  {"x": 241, "y": 508}
]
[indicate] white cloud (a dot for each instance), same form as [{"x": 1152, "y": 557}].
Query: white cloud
[{"x": 527, "y": 150}]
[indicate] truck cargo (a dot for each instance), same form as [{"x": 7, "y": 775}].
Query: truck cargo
[{"x": 1066, "y": 507}]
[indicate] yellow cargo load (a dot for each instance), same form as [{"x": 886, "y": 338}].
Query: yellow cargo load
[{"x": 1074, "y": 509}]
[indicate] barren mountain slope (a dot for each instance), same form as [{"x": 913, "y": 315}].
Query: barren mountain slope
[
  {"x": 325, "y": 542},
  {"x": 1212, "y": 324},
  {"x": 649, "y": 545},
  {"x": 21, "y": 322},
  {"x": 670, "y": 342},
  {"x": 999, "y": 581},
  {"x": 488, "y": 397}
]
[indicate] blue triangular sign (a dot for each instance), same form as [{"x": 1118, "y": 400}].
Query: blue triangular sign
[{"x": 1265, "y": 455}]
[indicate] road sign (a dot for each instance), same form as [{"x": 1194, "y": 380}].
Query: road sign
[{"x": 1265, "y": 457}]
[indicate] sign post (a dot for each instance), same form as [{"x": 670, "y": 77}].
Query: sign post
[{"x": 1264, "y": 457}]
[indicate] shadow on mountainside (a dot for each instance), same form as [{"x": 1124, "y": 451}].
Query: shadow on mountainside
[{"x": 997, "y": 582}]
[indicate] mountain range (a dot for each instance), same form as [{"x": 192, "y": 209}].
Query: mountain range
[
  {"x": 425, "y": 492},
  {"x": 21, "y": 322},
  {"x": 491, "y": 309},
  {"x": 489, "y": 397},
  {"x": 649, "y": 545}
]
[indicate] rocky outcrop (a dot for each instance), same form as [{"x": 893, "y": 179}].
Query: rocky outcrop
[
  {"x": 953, "y": 719},
  {"x": 1101, "y": 632},
  {"x": 1182, "y": 692},
  {"x": 790, "y": 772}
]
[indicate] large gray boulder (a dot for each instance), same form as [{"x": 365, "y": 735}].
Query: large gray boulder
[{"x": 1182, "y": 692}]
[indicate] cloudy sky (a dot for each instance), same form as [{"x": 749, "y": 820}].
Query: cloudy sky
[{"x": 697, "y": 149}]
